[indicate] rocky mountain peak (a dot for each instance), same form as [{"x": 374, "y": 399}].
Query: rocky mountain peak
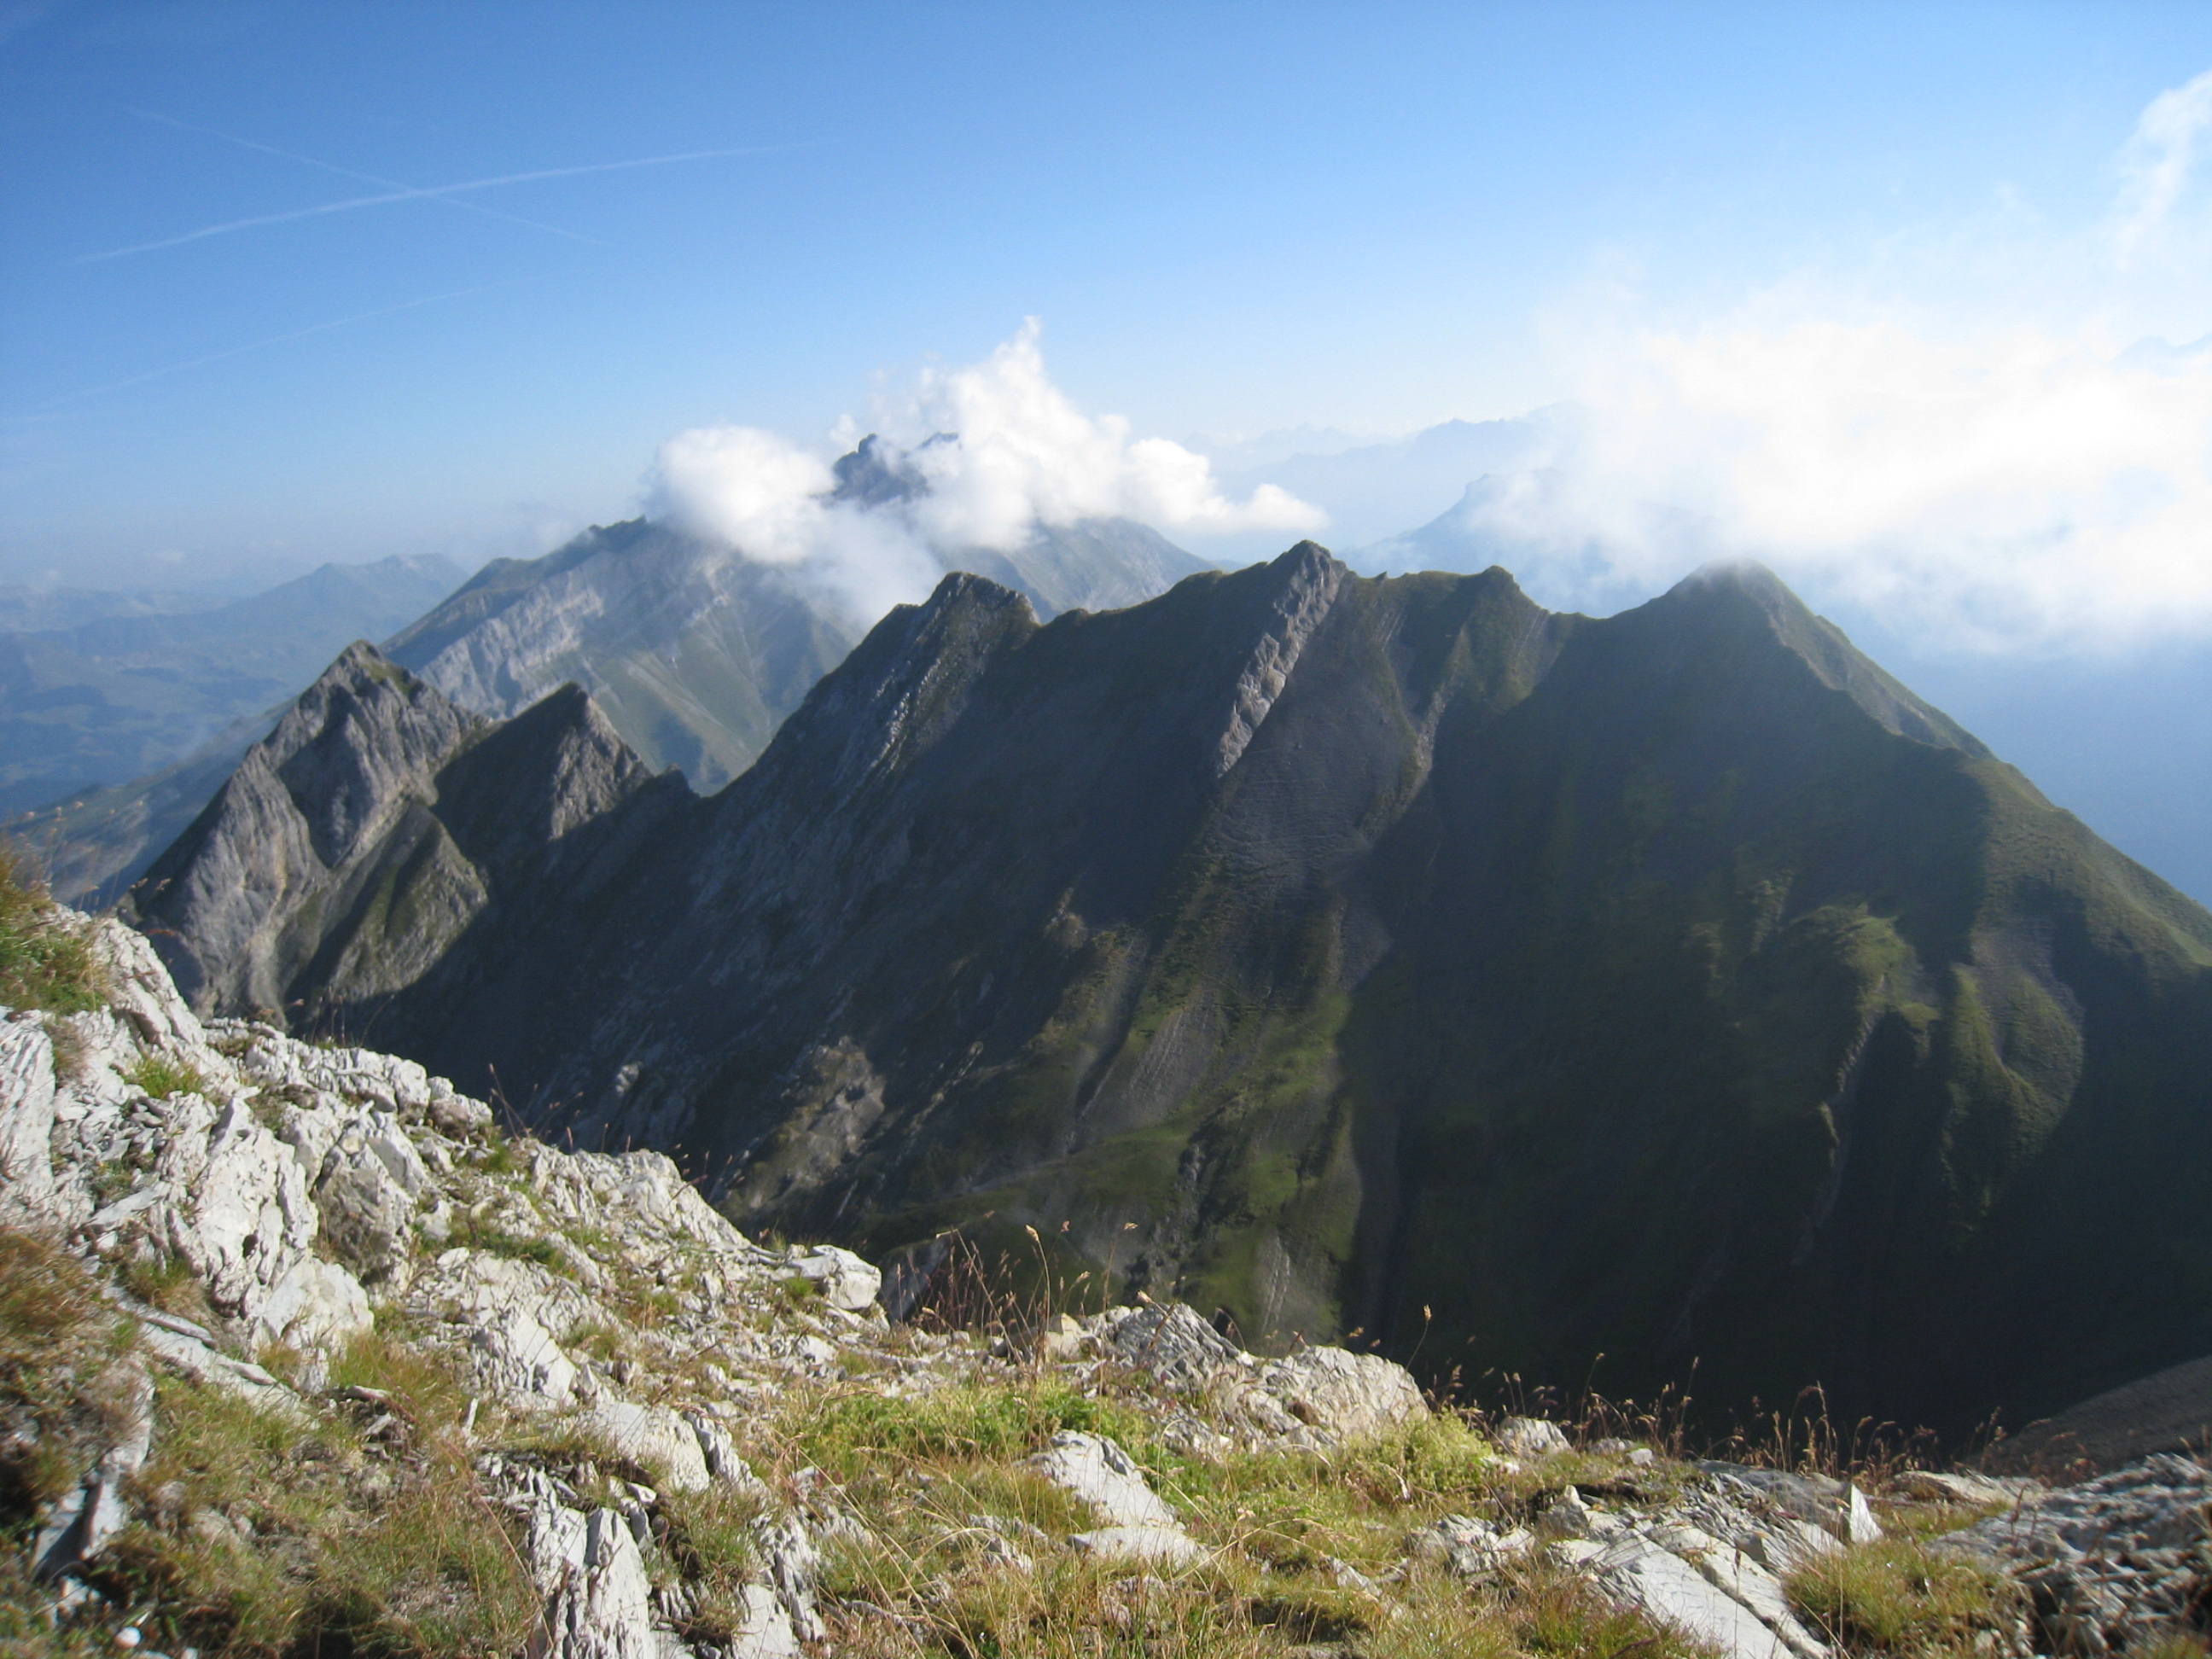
[{"x": 373, "y": 826}]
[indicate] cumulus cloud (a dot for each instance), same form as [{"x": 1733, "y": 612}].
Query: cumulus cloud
[
  {"x": 1996, "y": 481},
  {"x": 1021, "y": 454},
  {"x": 994, "y": 451}
]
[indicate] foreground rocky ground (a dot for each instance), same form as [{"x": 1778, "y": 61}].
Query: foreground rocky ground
[{"x": 300, "y": 1353}]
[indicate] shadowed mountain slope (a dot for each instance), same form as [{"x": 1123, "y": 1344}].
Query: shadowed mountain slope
[{"x": 1395, "y": 955}]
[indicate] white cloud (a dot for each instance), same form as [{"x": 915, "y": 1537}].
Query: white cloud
[
  {"x": 1022, "y": 453},
  {"x": 2006, "y": 477},
  {"x": 767, "y": 500},
  {"x": 1000, "y": 449},
  {"x": 2157, "y": 161},
  {"x": 2013, "y": 489}
]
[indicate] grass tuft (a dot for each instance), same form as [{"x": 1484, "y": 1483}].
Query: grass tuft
[
  {"x": 46, "y": 959},
  {"x": 63, "y": 1396},
  {"x": 159, "y": 1076},
  {"x": 1899, "y": 1597}
]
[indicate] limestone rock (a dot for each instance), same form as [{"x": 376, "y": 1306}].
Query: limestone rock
[
  {"x": 1948, "y": 1486},
  {"x": 603, "y": 1608},
  {"x": 1640, "y": 1574},
  {"x": 1531, "y": 1436},
  {"x": 655, "y": 1437},
  {"x": 847, "y": 1281},
  {"x": 1169, "y": 1340},
  {"x": 316, "y": 1305},
  {"x": 1095, "y": 1469},
  {"x": 516, "y": 1358},
  {"x": 27, "y": 1121},
  {"x": 1152, "y": 1546},
  {"x": 1472, "y": 1548},
  {"x": 764, "y": 1631},
  {"x": 2113, "y": 1563},
  {"x": 1344, "y": 1396},
  {"x": 236, "y": 1208},
  {"x": 720, "y": 1454},
  {"x": 367, "y": 1214}
]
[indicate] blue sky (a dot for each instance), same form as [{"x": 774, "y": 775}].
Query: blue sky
[
  {"x": 1863, "y": 291},
  {"x": 1229, "y": 218}
]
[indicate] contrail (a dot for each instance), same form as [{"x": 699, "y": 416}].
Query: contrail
[
  {"x": 432, "y": 193},
  {"x": 349, "y": 173},
  {"x": 279, "y": 339}
]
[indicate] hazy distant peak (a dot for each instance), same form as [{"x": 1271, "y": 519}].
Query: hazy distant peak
[{"x": 877, "y": 475}]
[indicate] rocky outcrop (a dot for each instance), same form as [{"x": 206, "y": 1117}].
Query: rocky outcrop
[
  {"x": 2122, "y": 1561},
  {"x": 695, "y": 654}
]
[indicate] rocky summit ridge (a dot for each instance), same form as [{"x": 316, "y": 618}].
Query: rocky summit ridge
[
  {"x": 301, "y": 1352},
  {"x": 1333, "y": 952}
]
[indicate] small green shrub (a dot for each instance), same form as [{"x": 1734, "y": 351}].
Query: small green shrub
[
  {"x": 47, "y": 961},
  {"x": 494, "y": 1241},
  {"x": 710, "y": 1538}
]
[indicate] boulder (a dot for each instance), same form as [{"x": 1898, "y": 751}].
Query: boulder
[
  {"x": 27, "y": 1121},
  {"x": 1343, "y": 1395},
  {"x": 603, "y": 1606},
  {"x": 1097, "y": 1470},
  {"x": 515, "y": 1356},
  {"x": 366, "y": 1192},
  {"x": 1169, "y": 1339},
  {"x": 845, "y": 1279},
  {"x": 1531, "y": 1436},
  {"x": 317, "y": 1305},
  {"x": 1640, "y": 1574},
  {"x": 1472, "y": 1548},
  {"x": 236, "y": 1208}
]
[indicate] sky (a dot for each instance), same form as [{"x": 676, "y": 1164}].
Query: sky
[{"x": 1902, "y": 300}]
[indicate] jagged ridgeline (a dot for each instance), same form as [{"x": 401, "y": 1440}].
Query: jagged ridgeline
[
  {"x": 1377, "y": 954},
  {"x": 694, "y": 654}
]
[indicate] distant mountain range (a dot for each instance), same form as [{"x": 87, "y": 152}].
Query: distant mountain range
[
  {"x": 107, "y": 697},
  {"x": 694, "y": 655},
  {"x": 1374, "y": 489},
  {"x": 1342, "y": 953}
]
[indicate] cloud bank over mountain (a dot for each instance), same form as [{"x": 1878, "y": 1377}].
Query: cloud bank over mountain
[
  {"x": 981, "y": 457},
  {"x": 2033, "y": 473}
]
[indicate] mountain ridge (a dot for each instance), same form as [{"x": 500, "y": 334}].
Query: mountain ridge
[{"x": 1675, "y": 985}]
